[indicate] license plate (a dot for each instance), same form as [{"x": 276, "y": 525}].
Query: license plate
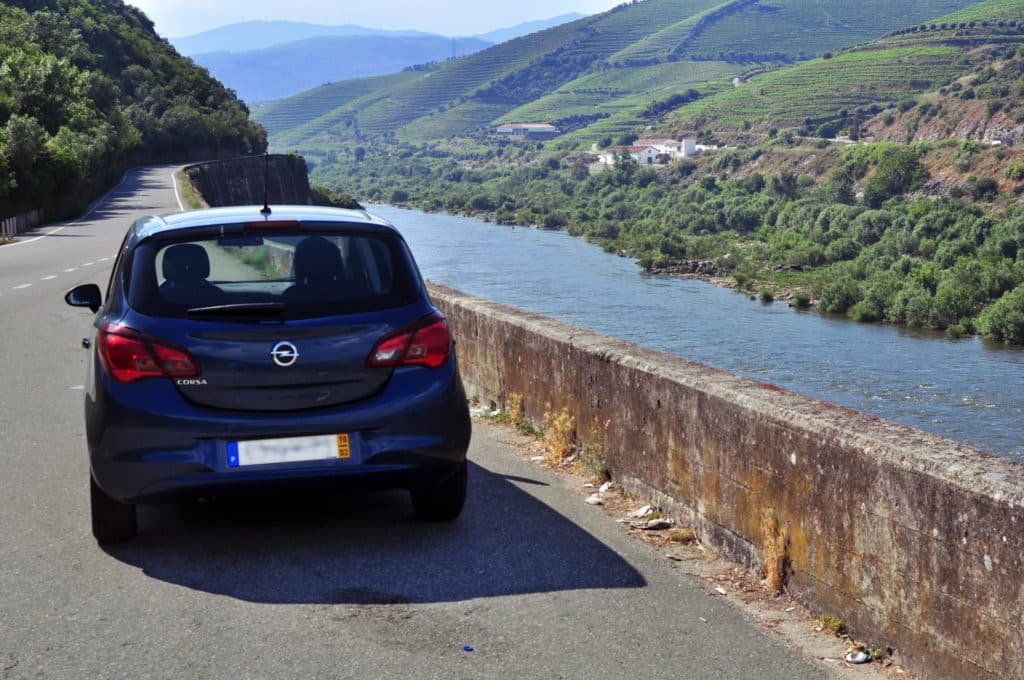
[{"x": 289, "y": 450}]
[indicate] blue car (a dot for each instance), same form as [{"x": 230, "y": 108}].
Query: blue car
[{"x": 239, "y": 349}]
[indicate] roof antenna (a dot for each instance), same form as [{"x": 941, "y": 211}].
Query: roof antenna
[{"x": 266, "y": 173}]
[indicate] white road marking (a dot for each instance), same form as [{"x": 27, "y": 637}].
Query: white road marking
[
  {"x": 51, "y": 277},
  {"x": 104, "y": 259},
  {"x": 22, "y": 286},
  {"x": 77, "y": 387},
  {"x": 70, "y": 269},
  {"x": 88, "y": 264},
  {"x": 174, "y": 181}
]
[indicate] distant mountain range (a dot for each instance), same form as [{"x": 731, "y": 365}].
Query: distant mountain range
[
  {"x": 256, "y": 35},
  {"x": 283, "y": 70},
  {"x": 269, "y": 60}
]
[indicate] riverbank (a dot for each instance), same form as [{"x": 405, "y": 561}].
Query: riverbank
[{"x": 858, "y": 234}]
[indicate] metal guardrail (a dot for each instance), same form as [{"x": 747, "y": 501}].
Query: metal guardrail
[{"x": 11, "y": 227}]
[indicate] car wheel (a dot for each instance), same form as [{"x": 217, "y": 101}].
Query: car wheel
[
  {"x": 112, "y": 521},
  {"x": 441, "y": 502}
]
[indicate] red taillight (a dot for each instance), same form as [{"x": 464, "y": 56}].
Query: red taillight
[
  {"x": 425, "y": 343},
  {"x": 129, "y": 355}
]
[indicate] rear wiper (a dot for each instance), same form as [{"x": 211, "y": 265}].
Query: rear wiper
[{"x": 246, "y": 310}]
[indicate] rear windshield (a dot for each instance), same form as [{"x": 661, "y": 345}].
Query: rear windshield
[{"x": 287, "y": 275}]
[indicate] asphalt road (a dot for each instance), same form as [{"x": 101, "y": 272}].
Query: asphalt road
[{"x": 539, "y": 584}]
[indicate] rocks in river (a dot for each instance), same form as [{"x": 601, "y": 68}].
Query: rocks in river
[{"x": 690, "y": 267}]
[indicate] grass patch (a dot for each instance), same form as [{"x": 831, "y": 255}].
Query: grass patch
[
  {"x": 191, "y": 195},
  {"x": 515, "y": 414},
  {"x": 559, "y": 434},
  {"x": 833, "y": 624},
  {"x": 683, "y": 536}
]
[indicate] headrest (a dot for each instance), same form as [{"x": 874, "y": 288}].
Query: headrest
[
  {"x": 317, "y": 260},
  {"x": 186, "y": 262}
]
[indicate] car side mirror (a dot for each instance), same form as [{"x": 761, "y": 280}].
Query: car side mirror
[{"x": 86, "y": 295}]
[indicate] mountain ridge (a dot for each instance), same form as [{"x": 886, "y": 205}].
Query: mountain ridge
[
  {"x": 283, "y": 70},
  {"x": 246, "y": 36}
]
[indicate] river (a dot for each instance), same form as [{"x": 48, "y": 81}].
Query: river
[{"x": 968, "y": 390}]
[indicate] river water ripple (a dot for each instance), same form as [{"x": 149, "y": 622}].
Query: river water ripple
[{"x": 967, "y": 390}]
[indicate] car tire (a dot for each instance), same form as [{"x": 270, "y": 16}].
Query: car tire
[
  {"x": 112, "y": 520},
  {"x": 441, "y": 502}
]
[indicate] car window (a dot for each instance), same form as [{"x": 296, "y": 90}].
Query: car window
[{"x": 308, "y": 274}]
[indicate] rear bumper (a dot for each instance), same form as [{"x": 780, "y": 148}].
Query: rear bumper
[{"x": 415, "y": 432}]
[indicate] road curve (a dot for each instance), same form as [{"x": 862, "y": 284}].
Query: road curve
[{"x": 536, "y": 583}]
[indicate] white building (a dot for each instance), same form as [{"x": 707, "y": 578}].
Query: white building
[{"x": 647, "y": 151}]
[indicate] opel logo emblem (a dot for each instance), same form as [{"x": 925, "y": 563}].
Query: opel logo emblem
[{"x": 285, "y": 354}]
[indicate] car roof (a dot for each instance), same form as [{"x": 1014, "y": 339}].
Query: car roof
[{"x": 205, "y": 218}]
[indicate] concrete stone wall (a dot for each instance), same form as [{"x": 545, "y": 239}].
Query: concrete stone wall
[
  {"x": 915, "y": 541},
  {"x": 239, "y": 181}
]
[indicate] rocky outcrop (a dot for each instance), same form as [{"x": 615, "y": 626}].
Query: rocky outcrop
[{"x": 965, "y": 121}]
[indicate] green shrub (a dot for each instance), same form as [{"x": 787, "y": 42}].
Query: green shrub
[
  {"x": 1004, "y": 319},
  {"x": 899, "y": 170},
  {"x": 482, "y": 202},
  {"x": 912, "y": 305},
  {"x": 839, "y": 295},
  {"x": 1015, "y": 172},
  {"x": 984, "y": 189},
  {"x": 864, "y": 312}
]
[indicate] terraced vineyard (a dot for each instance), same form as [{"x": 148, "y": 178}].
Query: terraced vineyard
[
  {"x": 293, "y": 112},
  {"x": 899, "y": 67},
  {"x": 820, "y": 89},
  {"x": 992, "y": 10},
  {"x": 470, "y": 116},
  {"x": 620, "y": 89},
  {"x": 798, "y": 28},
  {"x": 660, "y": 45},
  {"x": 838, "y": 24}
]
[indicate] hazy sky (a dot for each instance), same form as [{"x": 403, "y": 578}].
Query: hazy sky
[{"x": 177, "y": 18}]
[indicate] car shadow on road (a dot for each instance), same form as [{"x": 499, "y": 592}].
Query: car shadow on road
[{"x": 369, "y": 549}]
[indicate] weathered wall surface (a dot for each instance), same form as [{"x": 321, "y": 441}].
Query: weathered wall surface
[
  {"x": 239, "y": 181},
  {"x": 915, "y": 541}
]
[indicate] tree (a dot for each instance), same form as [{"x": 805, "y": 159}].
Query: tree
[{"x": 26, "y": 142}]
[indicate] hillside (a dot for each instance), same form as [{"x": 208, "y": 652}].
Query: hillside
[
  {"x": 612, "y": 72},
  {"x": 284, "y": 70},
  {"x": 305, "y": 115},
  {"x": 87, "y": 88},
  {"x": 736, "y": 30},
  {"x": 826, "y": 96}
]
